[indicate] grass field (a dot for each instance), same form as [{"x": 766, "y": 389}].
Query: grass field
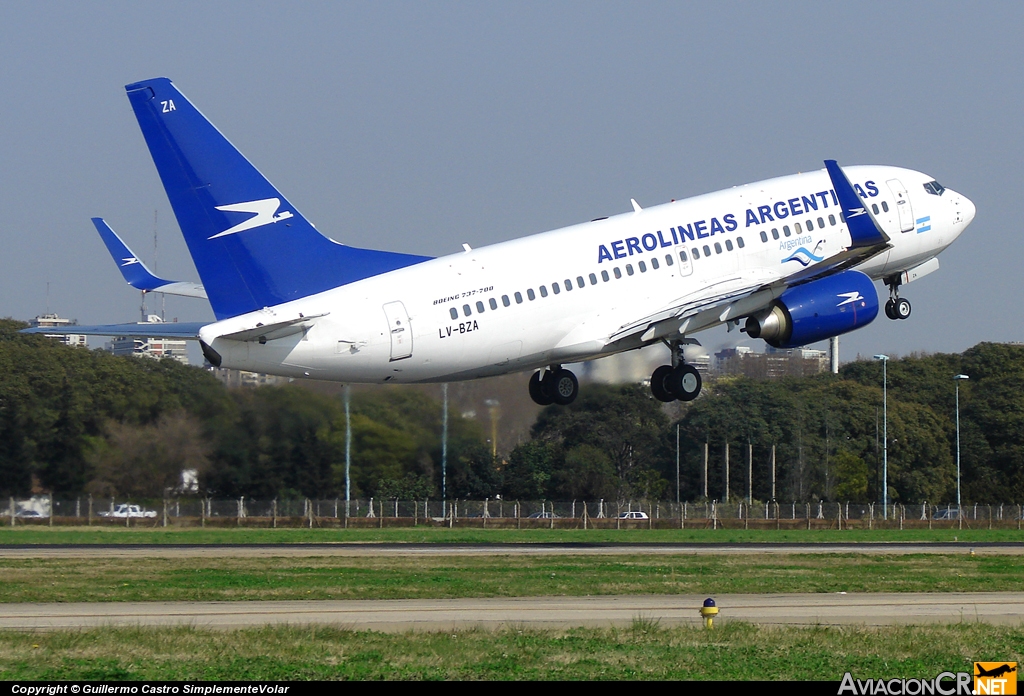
[
  {"x": 432, "y": 577},
  {"x": 35, "y": 534},
  {"x": 644, "y": 651}
]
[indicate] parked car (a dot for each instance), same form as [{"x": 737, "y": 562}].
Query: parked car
[
  {"x": 544, "y": 516},
  {"x": 946, "y": 514},
  {"x": 125, "y": 510},
  {"x": 634, "y": 515},
  {"x": 30, "y": 514}
]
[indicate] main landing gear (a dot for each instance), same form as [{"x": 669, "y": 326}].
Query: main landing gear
[
  {"x": 677, "y": 381},
  {"x": 897, "y": 307},
  {"x": 554, "y": 385}
]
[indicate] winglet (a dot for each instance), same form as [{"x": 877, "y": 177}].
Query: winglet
[
  {"x": 135, "y": 271},
  {"x": 864, "y": 229}
]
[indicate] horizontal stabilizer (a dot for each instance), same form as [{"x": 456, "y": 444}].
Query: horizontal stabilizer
[
  {"x": 181, "y": 330},
  {"x": 278, "y": 329},
  {"x": 135, "y": 271}
]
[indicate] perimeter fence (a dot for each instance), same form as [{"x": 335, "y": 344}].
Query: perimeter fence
[{"x": 499, "y": 513}]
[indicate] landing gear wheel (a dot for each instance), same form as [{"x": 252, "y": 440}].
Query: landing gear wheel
[
  {"x": 660, "y": 382},
  {"x": 901, "y": 308},
  {"x": 540, "y": 392},
  {"x": 564, "y": 387},
  {"x": 890, "y": 309},
  {"x": 685, "y": 382}
]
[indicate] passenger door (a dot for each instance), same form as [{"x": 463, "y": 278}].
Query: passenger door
[
  {"x": 903, "y": 207},
  {"x": 400, "y": 329}
]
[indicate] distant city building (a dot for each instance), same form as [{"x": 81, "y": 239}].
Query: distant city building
[
  {"x": 48, "y": 320},
  {"x": 772, "y": 364},
  {"x": 156, "y": 348},
  {"x": 234, "y": 379}
]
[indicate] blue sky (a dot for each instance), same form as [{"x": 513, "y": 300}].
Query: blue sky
[{"x": 419, "y": 126}]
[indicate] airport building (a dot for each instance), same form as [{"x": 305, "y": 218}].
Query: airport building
[
  {"x": 156, "y": 348},
  {"x": 772, "y": 364},
  {"x": 52, "y": 320}
]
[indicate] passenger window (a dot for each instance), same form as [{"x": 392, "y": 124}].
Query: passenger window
[
  {"x": 654, "y": 263},
  {"x": 842, "y": 217},
  {"x": 494, "y": 303},
  {"x": 832, "y": 220},
  {"x": 531, "y": 294},
  {"x": 543, "y": 291},
  {"x": 643, "y": 267},
  {"x": 821, "y": 223},
  {"x": 555, "y": 288},
  {"x": 718, "y": 248},
  {"x": 775, "y": 233},
  {"x": 682, "y": 255},
  {"x": 785, "y": 230},
  {"x": 629, "y": 269},
  {"x": 707, "y": 251},
  {"x": 454, "y": 312},
  {"x": 568, "y": 285},
  {"x": 885, "y": 206},
  {"x": 519, "y": 297},
  {"x": 810, "y": 225},
  {"x": 618, "y": 273},
  {"x": 604, "y": 276},
  {"x": 466, "y": 311},
  {"x": 593, "y": 279},
  {"x": 505, "y": 301},
  {"x": 796, "y": 228},
  {"x": 764, "y": 236},
  {"x": 696, "y": 253},
  {"x": 479, "y": 307},
  {"x": 739, "y": 242},
  {"x": 580, "y": 282},
  {"x": 728, "y": 245},
  {"x": 668, "y": 259},
  {"x": 874, "y": 208}
]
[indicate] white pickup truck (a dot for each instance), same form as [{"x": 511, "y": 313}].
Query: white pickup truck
[{"x": 125, "y": 510}]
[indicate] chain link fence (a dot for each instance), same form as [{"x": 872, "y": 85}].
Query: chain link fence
[{"x": 336, "y": 512}]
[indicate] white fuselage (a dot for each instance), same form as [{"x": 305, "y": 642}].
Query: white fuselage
[{"x": 495, "y": 310}]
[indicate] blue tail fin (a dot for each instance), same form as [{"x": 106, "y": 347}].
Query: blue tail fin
[
  {"x": 252, "y": 248},
  {"x": 135, "y": 272}
]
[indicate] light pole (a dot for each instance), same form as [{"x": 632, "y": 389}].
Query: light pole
[
  {"x": 885, "y": 435},
  {"x": 957, "y": 378}
]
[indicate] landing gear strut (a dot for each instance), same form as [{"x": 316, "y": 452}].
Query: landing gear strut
[
  {"x": 678, "y": 381},
  {"x": 897, "y": 307},
  {"x": 554, "y": 385}
]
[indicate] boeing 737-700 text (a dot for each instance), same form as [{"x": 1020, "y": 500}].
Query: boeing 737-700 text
[{"x": 792, "y": 259}]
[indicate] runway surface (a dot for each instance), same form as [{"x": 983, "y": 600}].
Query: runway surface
[
  {"x": 564, "y": 549},
  {"x": 533, "y": 612}
]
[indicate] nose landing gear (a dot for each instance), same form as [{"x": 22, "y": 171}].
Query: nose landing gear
[
  {"x": 897, "y": 307},
  {"x": 554, "y": 385}
]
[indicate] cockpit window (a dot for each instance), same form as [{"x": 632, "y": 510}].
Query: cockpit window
[{"x": 934, "y": 188}]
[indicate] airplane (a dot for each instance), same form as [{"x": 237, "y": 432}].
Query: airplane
[{"x": 790, "y": 260}]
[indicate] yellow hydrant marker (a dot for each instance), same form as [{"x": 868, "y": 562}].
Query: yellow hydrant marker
[{"x": 709, "y": 611}]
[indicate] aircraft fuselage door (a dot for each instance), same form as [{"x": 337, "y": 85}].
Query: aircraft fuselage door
[
  {"x": 683, "y": 259},
  {"x": 400, "y": 329},
  {"x": 903, "y": 207}
]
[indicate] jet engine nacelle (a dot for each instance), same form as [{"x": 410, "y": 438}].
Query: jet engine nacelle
[{"x": 817, "y": 310}]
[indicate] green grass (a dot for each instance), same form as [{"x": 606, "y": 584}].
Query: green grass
[
  {"x": 35, "y": 534},
  {"x": 431, "y": 577},
  {"x": 645, "y": 651}
]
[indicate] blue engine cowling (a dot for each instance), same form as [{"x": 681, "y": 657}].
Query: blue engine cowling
[{"x": 817, "y": 310}]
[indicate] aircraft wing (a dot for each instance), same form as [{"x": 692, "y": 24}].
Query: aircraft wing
[
  {"x": 180, "y": 330},
  {"x": 738, "y": 297},
  {"x": 136, "y": 273}
]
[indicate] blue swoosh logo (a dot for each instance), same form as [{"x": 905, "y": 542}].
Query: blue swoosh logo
[{"x": 803, "y": 257}]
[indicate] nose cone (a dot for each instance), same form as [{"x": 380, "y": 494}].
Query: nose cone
[{"x": 968, "y": 210}]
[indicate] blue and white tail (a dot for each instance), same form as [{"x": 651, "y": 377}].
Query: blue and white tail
[{"x": 252, "y": 248}]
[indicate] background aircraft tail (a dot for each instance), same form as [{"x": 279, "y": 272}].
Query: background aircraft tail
[
  {"x": 252, "y": 248},
  {"x": 136, "y": 273}
]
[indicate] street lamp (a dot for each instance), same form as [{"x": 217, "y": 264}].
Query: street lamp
[
  {"x": 885, "y": 435},
  {"x": 957, "y": 378}
]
